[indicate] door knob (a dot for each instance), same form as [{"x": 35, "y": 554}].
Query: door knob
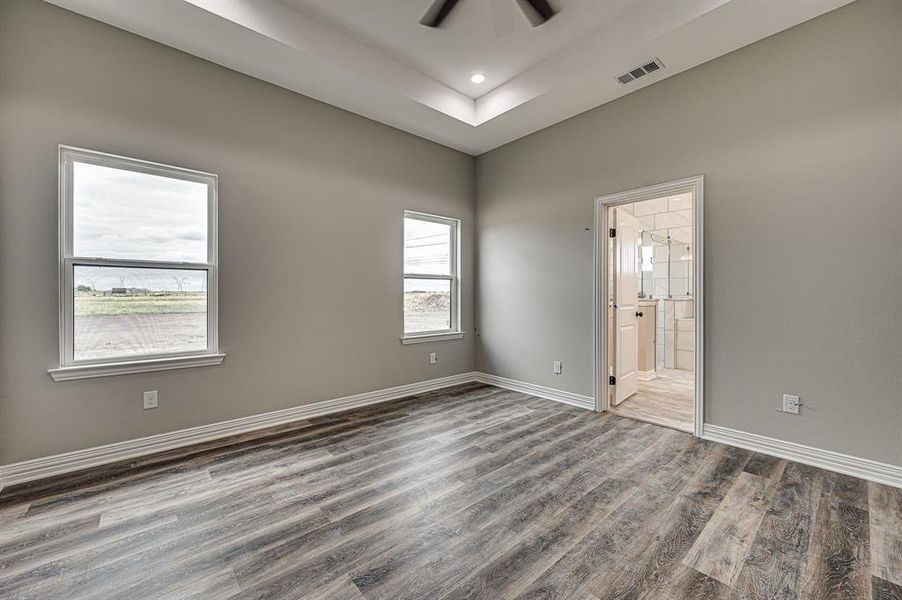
[{"x": 639, "y": 314}]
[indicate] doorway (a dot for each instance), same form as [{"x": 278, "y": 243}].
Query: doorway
[{"x": 649, "y": 357}]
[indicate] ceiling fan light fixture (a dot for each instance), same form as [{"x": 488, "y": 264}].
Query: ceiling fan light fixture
[
  {"x": 477, "y": 78},
  {"x": 536, "y": 11}
]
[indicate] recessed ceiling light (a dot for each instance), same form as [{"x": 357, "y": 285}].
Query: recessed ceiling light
[{"x": 477, "y": 77}]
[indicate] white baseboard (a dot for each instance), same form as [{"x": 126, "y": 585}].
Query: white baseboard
[
  {"x": 825, "y": 459},
  {"x": 541, "y": 391},
  {"x": 646, "y": 375},
  {"x": 78, "y": 460}
]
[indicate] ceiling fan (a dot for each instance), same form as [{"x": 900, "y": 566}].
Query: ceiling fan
[{"x": 540, "y": 11}]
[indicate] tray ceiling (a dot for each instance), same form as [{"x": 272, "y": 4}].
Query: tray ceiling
[{"x": 373, "y": 58}]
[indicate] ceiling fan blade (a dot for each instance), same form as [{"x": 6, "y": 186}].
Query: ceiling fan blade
[
  {"x": 542, "y": 9},
  {"x": 437, "y": 13}
]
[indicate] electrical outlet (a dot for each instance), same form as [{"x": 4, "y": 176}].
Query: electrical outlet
[
  {"x": 791, "y": 404},
  {"x": 151, "y": 399},
  {"x": 433, "y": 359},
  {"x": 558, "y": 367}
]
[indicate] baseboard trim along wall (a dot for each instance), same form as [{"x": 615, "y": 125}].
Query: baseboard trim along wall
[
  {"x": 825, "y": 459},
  {"x": 68, "y": 462},
  {"x": 646, "y": 375},
  {"x": 541, "y": 391},
  {"x": 78, "y": 460}
]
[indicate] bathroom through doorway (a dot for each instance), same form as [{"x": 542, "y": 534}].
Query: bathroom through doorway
[{"x": 650, "y": 269}]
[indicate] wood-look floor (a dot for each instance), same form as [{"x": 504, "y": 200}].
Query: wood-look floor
[
  {"x": 666, "y": 400},
  {"x": 471, "y": 492}
]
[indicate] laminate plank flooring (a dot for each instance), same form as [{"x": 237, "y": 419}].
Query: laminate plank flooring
[
  {"x": 720, "y": 551},
  {"x": 885, "y": 513},
  {"x": 467, "y": 492},
  {"x": 838, "y": 565},
  {"x": 666, "y": 400}
]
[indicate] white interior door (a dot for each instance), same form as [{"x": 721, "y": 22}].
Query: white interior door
[{"x": 626, "y": 305}]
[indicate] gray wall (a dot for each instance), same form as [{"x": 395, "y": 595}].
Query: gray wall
[
  {"x": 800, "y": 140},
  {"x": 311, "y": 201},
  {"x": 799, "y": 137}
]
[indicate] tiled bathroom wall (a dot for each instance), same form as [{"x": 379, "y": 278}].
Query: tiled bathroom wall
[
  {"x": 678, "y": 334},
  {"x": 667, "y": 216}
]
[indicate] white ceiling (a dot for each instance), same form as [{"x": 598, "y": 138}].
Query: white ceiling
[
  {"x": 489, "y": 36},
  {"x": 372, "y": 57}
]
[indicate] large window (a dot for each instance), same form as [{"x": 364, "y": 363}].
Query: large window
[
  {"x": 137, "y": 266},
  {"x": 431, "y": 282}
]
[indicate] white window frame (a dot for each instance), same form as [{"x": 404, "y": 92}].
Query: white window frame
[
  {"x": 454, "y": 332},
  {"x": 70, "y": 368}
]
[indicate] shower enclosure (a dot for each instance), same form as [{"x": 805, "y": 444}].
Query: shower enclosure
[{"x": 666, "y": 267}]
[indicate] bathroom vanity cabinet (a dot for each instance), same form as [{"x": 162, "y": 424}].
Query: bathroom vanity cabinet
[{"x": 647, "y": 328}]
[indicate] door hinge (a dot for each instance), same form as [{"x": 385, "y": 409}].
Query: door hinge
[
  {"x": 612, "y": 232},
  {"x": 612, "y": 380}
]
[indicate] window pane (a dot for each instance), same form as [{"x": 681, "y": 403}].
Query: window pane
[
  {"x": 124, "y": 214},
  {"x": 427, "y": 247},
  {"x": 427, "y": 305},
  {"x": 123, "y": 312}
]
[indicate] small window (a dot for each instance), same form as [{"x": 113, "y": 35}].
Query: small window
[
  {"x": 431, "y": 283},
  {"x": 138, "y": 266}
]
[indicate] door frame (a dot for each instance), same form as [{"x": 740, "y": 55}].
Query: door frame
[{"x": 600, "y": 351}]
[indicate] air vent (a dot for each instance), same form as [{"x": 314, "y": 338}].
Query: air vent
[{"x": 633, "y": 74}]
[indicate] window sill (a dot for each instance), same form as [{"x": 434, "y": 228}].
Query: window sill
[
  {"x": 432, "y": 337},
  {"x": 135, "y": 366}
]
